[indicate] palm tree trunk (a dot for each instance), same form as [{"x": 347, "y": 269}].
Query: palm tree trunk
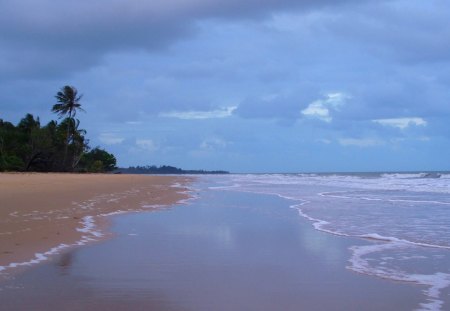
[{"x": 66, "y": 147}]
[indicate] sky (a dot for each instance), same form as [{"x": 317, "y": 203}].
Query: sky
[{"x": 244, "y": 86}]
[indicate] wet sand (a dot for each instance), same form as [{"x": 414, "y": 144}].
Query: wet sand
[
  {"x": 225, "y": 251},
  {"x": 42, "y": 211}
]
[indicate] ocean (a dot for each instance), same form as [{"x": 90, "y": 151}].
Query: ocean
[{"x": 403, "y": 218}]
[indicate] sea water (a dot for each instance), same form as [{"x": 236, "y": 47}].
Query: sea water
[{"x": 404, "y": 217}]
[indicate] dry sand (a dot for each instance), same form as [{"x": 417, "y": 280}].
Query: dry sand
[{"x": 41, "y": 211}]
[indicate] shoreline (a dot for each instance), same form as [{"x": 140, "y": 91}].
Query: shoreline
[
  {"x": 216, "y": 255},
  {"x": 43, "y": 214}
]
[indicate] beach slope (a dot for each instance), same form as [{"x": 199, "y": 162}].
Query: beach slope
[{"x": 43, "y": 213}]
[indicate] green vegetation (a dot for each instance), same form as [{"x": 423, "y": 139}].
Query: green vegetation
[
  {"x": 54, "y": 147},
  {"x": 67, "y": 106},
  {"x": 98, "y": 160}
]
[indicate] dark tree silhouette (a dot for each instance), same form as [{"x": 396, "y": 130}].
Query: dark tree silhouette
[
  {"x": 54, "y": 147},
  {"x": 68, "y": 103}
]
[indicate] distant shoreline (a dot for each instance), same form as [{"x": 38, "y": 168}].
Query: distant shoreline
[{"x": 166, "y": 170}]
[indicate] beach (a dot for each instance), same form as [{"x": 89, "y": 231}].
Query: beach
[
  {"x": 227, "y": 249},
  {"x": 45, "y": 214}
]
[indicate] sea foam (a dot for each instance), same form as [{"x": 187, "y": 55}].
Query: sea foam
[{"x": 393, "y": 212}]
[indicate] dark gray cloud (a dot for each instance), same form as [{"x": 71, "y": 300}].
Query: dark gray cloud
[
  {"x": 410, "y": 31},
  {"x": 44, "y": 38}
]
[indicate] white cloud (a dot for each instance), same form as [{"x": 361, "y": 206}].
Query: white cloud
[
  {"x": 323, "y": 141},
  {"x": 209, "y": 147},
  {"x": 317, "y": 109},
  {"x": 360, "y": 142},
  {"x": 401, "y": 123},
  {"x": 320, "y": 108},
  {"x": 199, "y": 115},
  {"x": 110, "y": 139},
  {"x": 424, "y": 138},
  {"x": 211, "y": 144},
  {"x": 146, "y": 144}
]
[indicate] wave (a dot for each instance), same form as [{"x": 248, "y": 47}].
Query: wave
[
  {"x": 406, "y": 191},
  {"x": 319, "y": 224},
  {"x": 435, "y": 282},
  {"x": 412, "y": 175},
  {"x": 293, "y": 191},
  {"x": 431, "y": 182},
  {"x": 337, "y": 195}
]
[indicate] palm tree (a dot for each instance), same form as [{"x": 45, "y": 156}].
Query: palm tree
[{"x": 68, "y": 103}]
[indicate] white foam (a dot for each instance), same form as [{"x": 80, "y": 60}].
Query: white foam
[
  {"x": 334, "y": 194},
  {"x": 89, "y": 227},
  {"x": 435, "y": 283},
  {"x": 91, "y": 233},
  {"x": 152, "y": 206},
  {"x": 317, "y": 223},
  {"x": 225, "y": 187},
  {"x": 399, "y": 181},
  {"x": 376, "y": 236},
  {"x": 38, "y": 257}
]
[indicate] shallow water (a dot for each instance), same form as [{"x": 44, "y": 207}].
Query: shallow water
[
  {"x": 227, "y": 250},
  {"x": 407, "y": 216}
]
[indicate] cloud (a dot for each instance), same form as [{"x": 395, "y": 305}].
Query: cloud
[
  {"x": 360, "y": 142},
  {"x": 401, "y": 123},
  {"x": 321, "y": 108},
  {"x": 48, "y": 40},
  {"x": 147, "y": 145},
  {"x": 212, "y": 144},
  {"x": 110, "y": 138},
  {"x": 323, "y": 141},
  {"x": 200, "y": 115},
  {"x": 147, "y": 66},
  {"x": 273, "y": 106},
  {"x": 407, "y": 30}
]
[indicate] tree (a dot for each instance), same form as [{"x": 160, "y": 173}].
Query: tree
[
  {"x": 9, "y": 147},
  {"x": 31, "y": 140},
  {"x": 55, "y": 147},
  {"x": 98, "y": 160},
  {"x": 78, "y": 144},
  {"x": 68, "y": 103}
]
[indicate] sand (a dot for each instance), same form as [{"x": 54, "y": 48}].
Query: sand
[
  {"x": 225, "y": 251},
  {"x": 41, "y": 211}
]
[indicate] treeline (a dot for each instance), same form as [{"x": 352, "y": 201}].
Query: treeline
[
  {"x": 54, "y": 147},
  {"x": 28, "y": 146},
  {"x": 164, "y": 169}
]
